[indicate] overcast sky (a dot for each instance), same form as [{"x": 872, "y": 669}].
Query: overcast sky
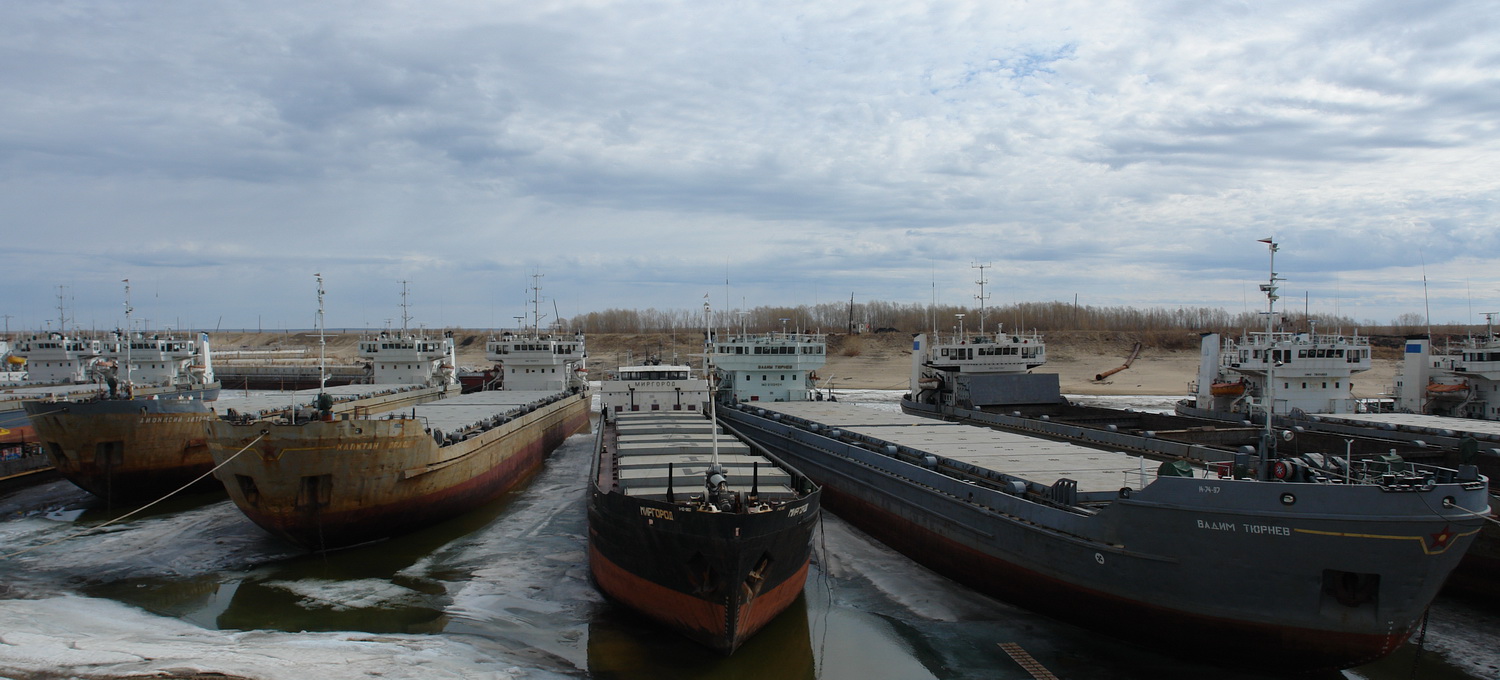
[{"x": 637, "y": 154}]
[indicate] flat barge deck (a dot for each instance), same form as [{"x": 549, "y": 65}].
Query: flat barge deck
[
  {"x": 1029, "y": 457},
  {"x": 1329, "y": 570}
]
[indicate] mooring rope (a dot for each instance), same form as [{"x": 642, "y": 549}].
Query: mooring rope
[
  {"x": 132, "y": 513},
  {"x": 1421, "y": 641}
]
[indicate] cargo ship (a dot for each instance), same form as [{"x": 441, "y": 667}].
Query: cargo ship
[
  {"x": 74, "y": 375},
  {"x": 333, "y": 482},
  {"x": 1305, "y": 562},
  {"x": 688, "y": 524},
  {"x": 138, "y": 437},
  {"x": 130, "y": 449},
  {"x": 59, "y": 367},
  {"x": 1443, "y": 408},
  {"x": 1330, "y": 569}
]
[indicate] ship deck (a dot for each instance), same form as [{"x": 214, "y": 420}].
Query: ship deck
[
  {"x": 1418, "y": 422},
  {"x": 19, "y": 393},
  {"x": 1031, "y": 458},
  {"x": 463, "y": 410},
  {"x": 260, "y": 403},
  {"x": 647, "y": 442}
]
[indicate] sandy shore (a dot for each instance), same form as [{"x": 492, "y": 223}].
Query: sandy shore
[{"x": 871, "y": 361}]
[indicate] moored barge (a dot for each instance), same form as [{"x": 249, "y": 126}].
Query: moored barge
[
  {"x": 335, "y": 482},
  {"x": 131, "y": 449},
  {"x": 1330, "y": 572},
  {"x": 338, "y": 482},
  {"x": 688, "y": 524},
  {"x": 141, "y": 437}
]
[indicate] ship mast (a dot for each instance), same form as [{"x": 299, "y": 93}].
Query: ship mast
[
  {"x": 128, "y": 309},
  {"x": 405, "y": 318},
  {"x": 536, "y": 304},
  {"x": 981, "y": 297},
  {"x": 1268, "y": 439},
  {"x": 708, "y": 373},
  {"x": 62, "y": 311},
  {"x": 322, "y": 340}
]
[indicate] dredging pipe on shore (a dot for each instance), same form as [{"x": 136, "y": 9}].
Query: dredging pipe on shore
[{"x": 1133, "y": 354}]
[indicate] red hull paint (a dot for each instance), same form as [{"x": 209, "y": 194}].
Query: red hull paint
[{"x": 698, "y": 619}]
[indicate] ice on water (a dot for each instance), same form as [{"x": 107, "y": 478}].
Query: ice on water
[{"x": 66, "y": 635}]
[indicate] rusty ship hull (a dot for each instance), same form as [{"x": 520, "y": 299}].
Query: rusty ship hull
[
  {"x": 719, "y": 574},
  {"x": 126, "y": 450},
  {"x": 132, "y": 450},
  {"x": 336, "y": 483}
]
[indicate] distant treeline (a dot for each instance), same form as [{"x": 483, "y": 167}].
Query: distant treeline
[{"x": 840, "y": 317}]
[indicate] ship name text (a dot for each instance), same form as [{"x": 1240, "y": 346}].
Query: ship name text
[
  {"x": 1244, "y": 528},
  {"x": 657, "y": 513},
  {"x": 361, "y": 446}
]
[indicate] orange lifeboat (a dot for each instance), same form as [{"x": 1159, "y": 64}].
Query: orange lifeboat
[
  {"x": 1446, "y": 388},
  {"x": 1227, "y": 389}
]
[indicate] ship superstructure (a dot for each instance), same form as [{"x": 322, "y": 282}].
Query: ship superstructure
[
  {"x": 1309, "y": 371},
  {"x": 776, "y": 366},
  {"x": 535, "y": 359},
  {"x": 1462, "y": 382},
  {"x": 410, "y": 359},
  {"x": 531, "y": 360},
  {"x": 653, "y": 386},
  {"x": 160, "y": 360},
  {"x": 58, "y": 358},
  {"x": 1277, "y": 373},
  {"x": 977, "y": 368}
]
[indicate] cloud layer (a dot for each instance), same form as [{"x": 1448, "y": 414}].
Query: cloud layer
[{"x": 640, "y": 153}]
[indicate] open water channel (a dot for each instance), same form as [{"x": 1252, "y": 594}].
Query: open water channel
[{"x": 192, "y": 586}]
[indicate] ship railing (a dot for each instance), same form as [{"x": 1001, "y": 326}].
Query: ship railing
[
  {"x": 1262, "y": 338},
  {"x": 799, "y": 483}
]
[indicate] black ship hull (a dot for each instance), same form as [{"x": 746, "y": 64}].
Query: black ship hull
[
  {"x": 1181, "y": 564},
  {"x": 717, "y": 578},
  {"x": 716, "y": 566}
]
